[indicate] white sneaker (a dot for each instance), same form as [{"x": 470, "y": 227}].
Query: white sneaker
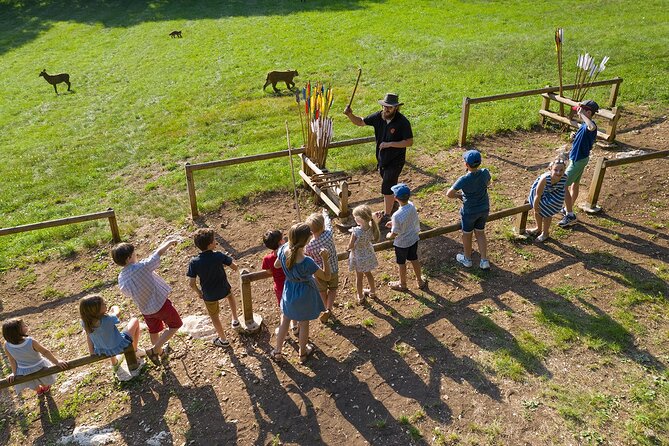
[
  {"x": 467, "y": 263},
  {"x": 484, "y": 264}
]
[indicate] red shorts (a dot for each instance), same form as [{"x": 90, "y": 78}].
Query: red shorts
[{"x": 167, "y": 315}]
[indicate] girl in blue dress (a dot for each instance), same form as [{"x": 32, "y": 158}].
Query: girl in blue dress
[
  {"x": 27, "y": 356},
  {"x": 102, "y": 336},
  {"x": 547, "y": 197},
  {"x": 301, "y": 300}
]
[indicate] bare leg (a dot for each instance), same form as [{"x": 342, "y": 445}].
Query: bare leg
[
  {"x": 538, "y": 219},
  {"x": 233, "y": 306},
  {"x": 416, "y": 269},
  {"x": 388, "y": 201},
  {"x": 547, "y": 225},
  {"x": 331, "y": 298},
  {"x": 304, "y": 337},
  {"x": 403, "y": 274},
  {"x": 568, "y": 201},
  {"x": 218, "y": 326},
  {"x": 134, "y": 330},
  {"x": 324, "y": 298},
  {"x": 358, "y": 285},
  {"x": 573, "y": 194},
  {"x": 281, "y": 335},
  {"x": 372, "y": 284},
  {"x": 467, "y": 244},
  {"x": 482, "y": 243},
  {"x": 159, "y": 339}
]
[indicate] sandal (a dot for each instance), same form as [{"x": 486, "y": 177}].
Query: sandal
[
  {"x": 397, "y": 286},
  {"x": 276, "y": 356},
  {"x": 153, "y": 356},
  {"x": 423, "y": 286},
  {"x": 324, "y": 317},
  {"x": 310, "y": 348},
  {"x": 223, "y": 343},
  {"x": 532, "y": 232}
]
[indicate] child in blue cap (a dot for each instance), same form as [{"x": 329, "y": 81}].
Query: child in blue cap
[
  {"x": 404, "y": 229},
  {"x": 472, "y": 189}
]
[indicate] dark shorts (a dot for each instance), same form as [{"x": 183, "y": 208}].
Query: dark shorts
[
  {"x": 476, "y": 221},
  {"x": 404, "y": 254},
  {"x": 167, "y": 315},
  {"x": 391, "y": 176}
]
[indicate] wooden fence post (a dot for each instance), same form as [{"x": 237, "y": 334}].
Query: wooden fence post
[
  {"x": 131, "y": 358},
  {"x": 464, "y": 119},
  {"x": 190, "y": 184},
  {"x": 343, "y": 200},
  {"x": 521, "y": 223},
  {"x": 116, "y": 235},
  {"x": 613, "y": 97},
  {"x": 252, "y": 322},
  {"x": 595, "y": 187}
]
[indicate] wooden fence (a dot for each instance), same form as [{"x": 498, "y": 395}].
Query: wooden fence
[
  {"x": 467, "y": 102},
  {"x": 108, "y": 214},
  {"x": 190, "y": 168},
  {"x": 600, "y": 170},
  {"x": 246, "y": 278}
]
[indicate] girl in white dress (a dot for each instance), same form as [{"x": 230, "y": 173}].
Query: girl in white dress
[{"x": 362, "y": 258}]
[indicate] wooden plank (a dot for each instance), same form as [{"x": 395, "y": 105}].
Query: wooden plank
[
  {"x": 58, "y": 222},
  {"x": 271, "y": 155},
  {"x": 519, "y": 94},
  {"x": 570, "y": 122},
  {"x": 636, "y": 159},
  {"x": 73, "y": 364},
  {"x": 190, "y": 185},
  {"x": 464, "y": 122},
  {"x": 604, "y": 113},
  {"x": 323, "y": 196}
]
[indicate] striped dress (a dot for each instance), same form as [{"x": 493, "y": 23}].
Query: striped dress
[{"x": 552, "y": 199}]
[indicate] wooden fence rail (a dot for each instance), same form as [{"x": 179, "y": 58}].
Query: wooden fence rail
[
  {"x": 190, "y": 168},
  {"x": 467, "y": 102},
  {"x": 246, "y": 277},
  {"x": 130, "y": 357},
  {"x": 591, "y": 206},
  {"x": 108, "y": 214}
]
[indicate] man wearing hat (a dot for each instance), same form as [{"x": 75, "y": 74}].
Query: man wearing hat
[
  {"x": 393, "y": 134},
  {"x": 579, "y": 155}
]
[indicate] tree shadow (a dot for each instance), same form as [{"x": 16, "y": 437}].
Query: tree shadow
[{"x": 23, "y": 21}]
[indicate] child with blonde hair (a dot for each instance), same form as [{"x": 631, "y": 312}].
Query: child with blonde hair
[
  {"x": 102, "y": 336},
  {"x": 362, "y": 258},
  {"x": 321, "y": 228},
  {"x": 301, "y": 300},
  {"x": 27, "y": 356}
]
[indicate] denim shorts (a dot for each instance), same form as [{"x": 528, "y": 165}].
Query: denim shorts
[{"x": 476, "y": 221}]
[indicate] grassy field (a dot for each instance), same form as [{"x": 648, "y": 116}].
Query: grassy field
[{"x": 143, "y": 103}]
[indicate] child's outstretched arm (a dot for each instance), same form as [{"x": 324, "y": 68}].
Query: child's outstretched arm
[
  {"x": 588, "y": 122},
  {"x": 46, "y": 353},
  {"x": 351, "y": 242},
  {"x": 12, "y": 364},
  {"x": 89, "y": 343},
  {"x": 192, "y": 282},
  {"x": 452, "y": 193},
  {"x": 167, "y": 244},
  {"x": 233, "y": 266}
]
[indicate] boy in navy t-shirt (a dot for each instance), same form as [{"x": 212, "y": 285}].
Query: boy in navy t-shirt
[
  {"x": 579, "y": 155},
  {"x": 209, "y": 267},
  {"x": 472, "y": 189}
]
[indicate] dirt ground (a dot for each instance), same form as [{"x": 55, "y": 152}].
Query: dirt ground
[{"x": 417, "y": 368}]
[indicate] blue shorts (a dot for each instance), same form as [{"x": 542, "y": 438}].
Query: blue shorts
[{"x": 476, "y": 221}]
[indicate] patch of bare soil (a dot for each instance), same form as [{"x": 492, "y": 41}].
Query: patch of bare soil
[{"x": 479, "y": 358}]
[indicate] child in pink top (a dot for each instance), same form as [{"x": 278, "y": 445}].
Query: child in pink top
[{"x": 273, "y": 240}]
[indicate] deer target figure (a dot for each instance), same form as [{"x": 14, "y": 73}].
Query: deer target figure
[{"x": 56, "y": 79}]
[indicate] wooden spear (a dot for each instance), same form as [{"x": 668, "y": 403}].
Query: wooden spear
[
  {"x": 292, "y": 172},
  {"x": 355, "y": 88}
]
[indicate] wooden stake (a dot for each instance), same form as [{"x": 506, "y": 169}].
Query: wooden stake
[
  {"x": 292, "y": 172},
  {"x": 355, "y": 88}
]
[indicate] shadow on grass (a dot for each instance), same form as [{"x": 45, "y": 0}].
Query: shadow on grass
[{"x": 23, "y": 21}]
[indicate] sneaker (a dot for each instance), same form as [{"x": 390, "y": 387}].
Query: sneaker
[
  {"x": 484, "y": 264},
  {"x": 563, "y": 211},
  {"x": 467, "y": 263},
  {"x": 567, "y": 220},
  {"x": 235, "y": 325},
  {"x": 542, "y": 238},
  {"x": 223, "y": 343}
]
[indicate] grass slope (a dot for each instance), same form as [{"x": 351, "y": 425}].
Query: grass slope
[{"x": 143, "y": 104}]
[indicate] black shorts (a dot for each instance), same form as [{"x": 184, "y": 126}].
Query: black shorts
[
  {"x": 391, "y": 176},
  {"x": 404, "y": 254}
]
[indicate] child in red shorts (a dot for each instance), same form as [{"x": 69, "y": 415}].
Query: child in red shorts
[{"x": 139, "y": 281}]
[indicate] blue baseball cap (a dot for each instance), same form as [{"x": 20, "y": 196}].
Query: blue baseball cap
[
  {"x": 401, "y": 191},
  {"x": 472, "y": 158}
]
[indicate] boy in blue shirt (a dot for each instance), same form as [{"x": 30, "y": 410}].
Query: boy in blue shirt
[
  {"x": 472, "y": 189},
  {"x": 209, "y": 267},
  {"x": 579, "y": 155}
]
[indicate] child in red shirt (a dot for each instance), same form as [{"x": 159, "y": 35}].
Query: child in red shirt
[{"x": 273, "y": 240}]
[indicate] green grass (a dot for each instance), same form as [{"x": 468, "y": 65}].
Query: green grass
[{"x": 144, "y": 104}]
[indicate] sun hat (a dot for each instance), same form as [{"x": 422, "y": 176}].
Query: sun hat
[
  {"x": 472, "y": 158},
  {"x": 391, "y": 100},
  {"x": 401, "y": 191}
]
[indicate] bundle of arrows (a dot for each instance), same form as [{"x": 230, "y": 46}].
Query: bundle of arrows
[
  {"x": 317, "y": 130},
  {"x": 586, "y": 73}
]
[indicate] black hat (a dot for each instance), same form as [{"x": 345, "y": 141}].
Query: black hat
[
  {"x": 590, "y": 105},
  {"x": 391, "y": 100}
]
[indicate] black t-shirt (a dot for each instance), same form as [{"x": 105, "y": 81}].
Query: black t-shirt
[
  {"x": 398, "y": 129},
  {"x": 208, "y": 266}
]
